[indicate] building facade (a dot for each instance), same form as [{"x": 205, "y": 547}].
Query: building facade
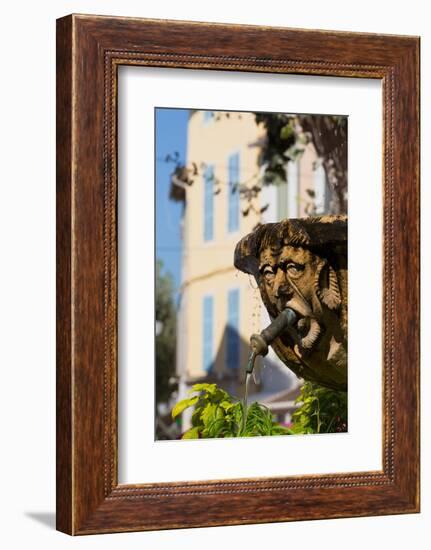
[{"x": 219, "y": 307}]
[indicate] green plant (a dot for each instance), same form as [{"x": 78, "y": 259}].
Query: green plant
[
  {"x": 218, "y": 414},
  {"x": 320, "y": 410}
]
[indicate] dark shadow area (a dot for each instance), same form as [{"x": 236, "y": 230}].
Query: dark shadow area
[
  {"x": 45, "y": 518},
  {"x": 230, "y": 379}
]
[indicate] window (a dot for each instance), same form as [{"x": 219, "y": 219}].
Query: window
[
  {"x": 292, "y": 189},
  {"x": 207, "y": 335},
  {"x": 209, "y": 203},
  {"x": 233, "y": 193},
  {"x": 208, "y": 116},
  {"x": 282, "y": 200},
  {"x": 232, "y": 330},
  {"x": 320, "y": 194}
]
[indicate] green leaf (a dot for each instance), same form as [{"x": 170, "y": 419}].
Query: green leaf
[
  {"x": 277, "y": 429},
  {"x": 193, "y": 433},
  {"x": 310, "y": 399},
  {"x": 196, "y": 416},
  {"x": 286, "y": 131},
  {"x": 209, "y": 413},
  {"x": 209, "y": 388},
  {"x": 184, "y": 404}
]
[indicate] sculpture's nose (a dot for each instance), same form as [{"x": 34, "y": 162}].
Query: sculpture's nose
[{"x": 282, "y": 287}]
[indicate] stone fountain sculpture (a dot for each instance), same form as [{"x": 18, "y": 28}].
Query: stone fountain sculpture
[{"x": 301, "y": 264}]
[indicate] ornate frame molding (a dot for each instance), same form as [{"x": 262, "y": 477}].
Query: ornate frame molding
[{"x": 90, "y": 49}]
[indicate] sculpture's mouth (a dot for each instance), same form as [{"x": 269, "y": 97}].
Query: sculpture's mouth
[
  {"x": 299, "y": 305},
  {"x": 302, "y": 331},
  {"x": 307, "y": 327}
]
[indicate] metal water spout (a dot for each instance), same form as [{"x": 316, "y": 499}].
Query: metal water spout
[{"x": 259, "y": 343}]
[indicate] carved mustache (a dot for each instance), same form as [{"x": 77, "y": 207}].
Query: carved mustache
[
  {"x": 308, "y": 341},
  {"x": 294, "y": 298},
  {"x": 300, "y": 304}
]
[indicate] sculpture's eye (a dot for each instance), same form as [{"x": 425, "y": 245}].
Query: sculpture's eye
[
  {"x": 293, "y": 269},
  {"x": 268, "y": 273}
]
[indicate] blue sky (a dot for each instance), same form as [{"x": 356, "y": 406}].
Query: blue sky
[{"x": 171, "y": 136}]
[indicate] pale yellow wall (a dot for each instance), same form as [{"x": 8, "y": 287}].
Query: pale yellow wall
[
  {"x": 208, "y": 266},
  {"x": 212, "y": 143},
  {"x": 218, "y": 287}
]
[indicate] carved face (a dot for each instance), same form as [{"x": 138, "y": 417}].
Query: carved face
[
  {"x": 294, "y": 277},
  {"x": 288, "y": 276}
]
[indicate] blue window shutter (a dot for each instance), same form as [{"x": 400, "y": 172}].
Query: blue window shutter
[
  {"x": 232, "y": 335},
  {"x": 209, "y": 203},
  {"x": 208, "y": 321},
  {"x": 233, "y": 193}
]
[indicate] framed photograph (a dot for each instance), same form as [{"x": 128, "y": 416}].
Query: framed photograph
[{"x": 237, "y": 274}]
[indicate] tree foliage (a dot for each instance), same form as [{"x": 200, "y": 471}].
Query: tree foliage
[
  {"x": 286, "y": 137},
  {"x": 166, "y": 337}
]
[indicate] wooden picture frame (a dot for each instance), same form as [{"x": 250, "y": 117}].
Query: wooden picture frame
[{"x": 89, "y": 52}]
